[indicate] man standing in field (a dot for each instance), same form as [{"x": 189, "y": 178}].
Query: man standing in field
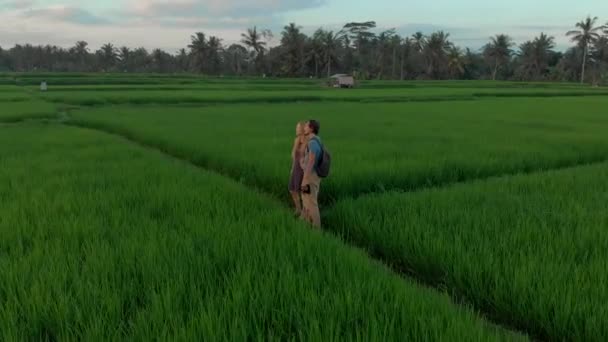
[{"x": 311, "y": 181}]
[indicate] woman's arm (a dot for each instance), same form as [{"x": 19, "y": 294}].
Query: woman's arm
[{"x": 294, "y": 149}]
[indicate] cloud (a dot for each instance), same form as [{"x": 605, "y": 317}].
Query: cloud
[
  {"x": 65, "y": 14},
  {"x": 17, "y": 4},
  {"x": 214, "y": 8}
]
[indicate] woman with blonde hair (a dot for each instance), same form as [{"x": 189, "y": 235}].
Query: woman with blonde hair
[{"x": 297, "y": 172}]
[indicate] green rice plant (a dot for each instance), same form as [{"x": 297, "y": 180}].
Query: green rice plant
[
  {"x": 104, "y": 240},
  {"x": 375, "y": 147},
  {"x": 232, "y": 92},
  {"x": 26, "y": 108},
  {"x": 531, "y": 250}
]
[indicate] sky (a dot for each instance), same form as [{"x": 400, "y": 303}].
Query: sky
[{"x": 168, "y": 24}]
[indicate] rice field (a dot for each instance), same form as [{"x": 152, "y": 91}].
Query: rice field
[
  {"x": 529, "y": 249},
  {"x": 409, "y": 146},
  {"x": 149, "y": 207}
]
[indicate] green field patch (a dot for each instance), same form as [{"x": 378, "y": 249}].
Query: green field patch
[
  {"x": 26, "y": 108},
  {"x": 231, "y": 93},
  {"x": 375, "y": 147},
  {"x": 233, "y": 96},
  {"x": 532, "y": 249},
  {"x": 103, "y": 240}
]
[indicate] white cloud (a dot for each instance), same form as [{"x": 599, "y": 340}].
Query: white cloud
[
  {"x": 64, "y": 13},
  {"x": 168, "y": 24},
  {"x": 18, "y": 4},
  {"x": 229, "y": 8}
]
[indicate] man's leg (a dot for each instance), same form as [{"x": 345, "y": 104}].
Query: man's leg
[{"x": 310, "y": 201}]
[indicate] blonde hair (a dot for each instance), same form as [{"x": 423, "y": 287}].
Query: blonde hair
[{"x": 300, "y": 126}]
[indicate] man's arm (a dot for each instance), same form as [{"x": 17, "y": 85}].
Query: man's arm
[{"x": 310, "y": 164}]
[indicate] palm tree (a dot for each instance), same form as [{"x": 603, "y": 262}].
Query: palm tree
[
  {"x": 198, "y": 51},
  {"x": 316, "y": 49},
  {"x": 237, "y": 55},
  {"x": 600, "y": 56},
  {"x": 585, "y": 36},
  {"x": 214, "y": 49},
  {"x": 435, "y": 52},
  {"x": 292, "y": 41},
  {"x": 395, "y": 44},
  {"x": 498, "y": 52},
  {"x": 330, "y": 43},
  {"x": 600, "y": 49},
  {"x": 253, "y": 40},
  {"x": 543, "y": 49},
  {"x": 182, "y": 60},
  {"x": 473, "y": 65},
  {"x": 419, "y": 41},
  {"x": 140, "y": 59},
  {"x": 526, "y": 61},
  {"x": 382, "y": 47},
  {"x": 359, "y": 33},
  {"x": 124, "y": 55},
  {"x": 456, "y": 62},
  {"x": 159, "y": 60},
  {"x": 81, "y": 51},
  {"x": 108, "y": 55},
  {"x": 406, "y": 48}
]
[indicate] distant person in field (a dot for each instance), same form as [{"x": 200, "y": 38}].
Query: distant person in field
[
  {"x": 311, "y": 181},
  {"x": 297, "y": 169}
]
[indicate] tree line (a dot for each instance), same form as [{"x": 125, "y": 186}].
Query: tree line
[{"x": 356, "y": 49}]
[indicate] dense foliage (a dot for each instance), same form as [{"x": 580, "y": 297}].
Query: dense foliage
[{"x": 358, "y": 48}]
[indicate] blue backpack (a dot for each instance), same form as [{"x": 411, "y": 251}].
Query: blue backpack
[{"x": 324, "y": 164}]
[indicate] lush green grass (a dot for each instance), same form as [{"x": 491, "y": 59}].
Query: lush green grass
[
  {"x": 102, "y": 240},
  {"x": 137, "y": 79},
  {"x": 531, "y": 249},
  {"x": 228, "y": 94},
  {"x": 100, "y": 79},
  {"x": 174, "y": 84},
  {"x": 375, "y": 146},
  {"x": 231, "y": 96},
  {"x": 26, "y": 108}
]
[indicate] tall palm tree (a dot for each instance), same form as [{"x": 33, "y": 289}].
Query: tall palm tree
[
  {"x": 435, "y": 52},
  {"x": 109, "y": 55},
  {"x": 237, "y": 56},
  {"x": 498, "y": 52},
  {"x": 214, "y": 60},
  {"x": 418, "y": 41},
  {"x": 406, "y": 48},
  {"x": 159, "y": 60},
  {"x": 600, "y": 49},
  {"x": 198, "y": 51},
  {"x": 361, "y": 36},
  {"x": 543, "y": 49},
  {"x": 526, "y": 61},
  {"x": 292, "y": 41},
  {"x": 253, "y": 40},
  {"x": 330, "y": 44},
  {"x": 600, "y": 56},
  {"x": 140, "y": 59},
  {"x": 81, "y": 51},
  {"x": 182, "y": 60},
  {"x": 456, "y": 62},
  {"x": 124, "y": 55},
  {"x": 316, "y": 49},
  {"x": 585, "y": 36},
  {"x": 383, "y": 45},
  {"x": 395, "y": 45}
]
